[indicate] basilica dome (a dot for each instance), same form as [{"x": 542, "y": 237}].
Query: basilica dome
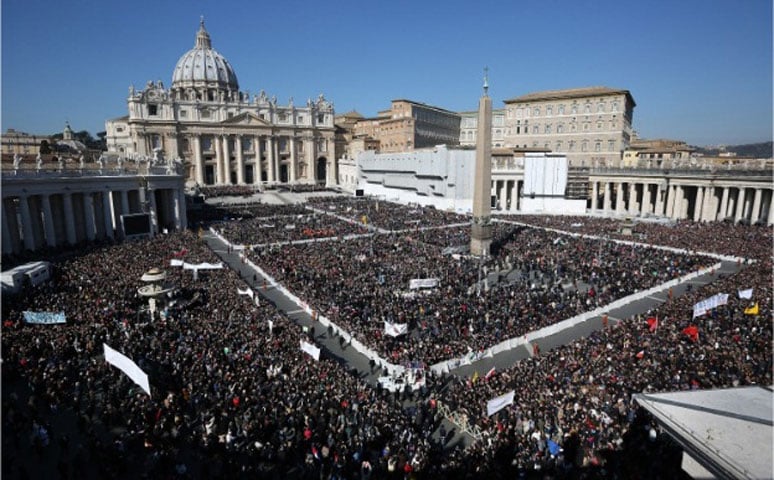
[{"x": 203, "y": 66}]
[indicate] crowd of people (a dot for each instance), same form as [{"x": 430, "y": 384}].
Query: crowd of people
[
  {"x": 268, "y": 230},
  {"x": 213, "y": 191},
  {"x": 232, "y": 394},
  {"x": 361, "y": 283}
]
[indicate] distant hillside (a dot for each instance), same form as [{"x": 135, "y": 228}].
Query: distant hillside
[{"x": 754, "y": 150}]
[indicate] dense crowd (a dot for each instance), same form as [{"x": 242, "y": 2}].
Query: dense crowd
[
  {"x": 387, "y": 215},
  {"x": 234, "y": 396},
  {"x": 228, "y": 190},
  {"x": 361, "y": 283},
  {"x": 207, "y": 214},
  {"x": 260, "y": 231}
]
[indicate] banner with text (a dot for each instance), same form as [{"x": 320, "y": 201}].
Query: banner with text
[
  {"x": 127, "y": 366},
  {"x": 44, "y": 318},
  {"x": 498, "y": 403}
]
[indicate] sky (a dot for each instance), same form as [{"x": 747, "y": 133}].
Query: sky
[{"x": 699, "y": 70}]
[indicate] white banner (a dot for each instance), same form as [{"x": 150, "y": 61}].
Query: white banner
[
  {"x": 395, "y": 329},
  {"x": 311, "y": 350},
  {"x": 423, "y": 283},
  {"x": 708, "y": 304},
  {"x": 498, "y": 403},
  {"x": 44, "y": 318},
  {"x": 746, "y": 293},
  {"x": 249, "y": 292},
  {"x": 127, "y": 366},
  {"x": 202, "y": 266},
  {"x": 176, "y": 262}
]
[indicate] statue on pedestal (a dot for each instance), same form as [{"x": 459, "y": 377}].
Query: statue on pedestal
[
  {"x": 16, "y": 161},
  {"x": 39, "y": 162}
]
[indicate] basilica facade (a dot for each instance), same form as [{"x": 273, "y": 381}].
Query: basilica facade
[{"x": 222, "y": 135}]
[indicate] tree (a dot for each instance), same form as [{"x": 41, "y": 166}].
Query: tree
[{"x": 45, "y": 148}]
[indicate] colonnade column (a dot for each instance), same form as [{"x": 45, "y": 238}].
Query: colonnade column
[
  {"x": 226, "y": 161},
  {"x": 88, "y": 215},
  {"x": 645, "y": 206},
  {"x": 633, "y": 207},
  {"x": 619, "y": 198},
  {"x": 709, "y": 212},
  {"x": 514, "y": 197},
  {"x": 48, "y": 220},
  {"x": 724, "y": 205},
  {"x": 154, "y": 217},
  {"x": 594, "y": 196},
  {"x": 293, "y": 170},
  {"x": 107, "y": 207},
  {"x": 658, "y": 209},
  {"x": 67, "y": 199},
  {"x": 771, "y": 209},
  {"x": 240, "y": 161},
  {"x": 7, "y": 239},
  {"x": 606, "y": 199},
  {"x": 698, "y": 204},
  {"x": 29, "y": 240},
  {"x": 739, "y": 205},
  {"x": 198, "y": 160},
  {"x": 755, "y": 215}
]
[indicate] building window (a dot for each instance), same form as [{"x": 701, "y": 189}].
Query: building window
[
  {"x": 247, "y": 145},
  {"x": 549, "y": 111},
  {"x": 153, "y": 110},
  {"x": 560, "y": 128},
  {"x": 205, "y": 114},
  {"x": 574, "y": 108},
  {"x": 300, "y": 119},
  {"x": 587, "y": 108},
  {"x": 156, "y": 141},
  {"x": 615, "y": 106},
  {"x": 119, "y": 129},
  {"x": 598, "y": 146},
  {"x": 584, "y": 146},
  {"x": 535, "y": 129},
  {"x": 601, "y": 107},
  {"x": 571, "y": 146},
  {"x": 548, "y": 128},
  {"x": 559, "y": 146},
  {"x": 230, "y": 115},
  {"x": 573, "y": 127},
  {"x": 320, "y": 118},
  {"x": 206, "y": 143},
  {"x": 185, "y": 145},
  {"x": 183, "y": 113},
  {"x": 611, "y": 145},
  {"x": 536, "y": 112},
  {"x": 282, "y": 117},
  {"x": 519, "y": 112},
  {"x": 599, "y": 125},
  {"x": 561, "y": 109}
]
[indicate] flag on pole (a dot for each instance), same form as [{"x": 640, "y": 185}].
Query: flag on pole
[
  {"x": 640, "y": 355},
  {"x": 127, "y": 366},
  {"x": 754, "y": 310},
  {"x": 490, "y": 373},
  {"x": 395, "y": 329},
  {"x": 652, "y": 324},
  {"x": 692, "y": 331},
  {"x": 746, "y": 293},
  {"x": 498, "y": 403},
  {"x": 475, "y": 377}
]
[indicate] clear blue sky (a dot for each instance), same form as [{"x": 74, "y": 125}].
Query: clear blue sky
[{"x": 699, "y": 70}]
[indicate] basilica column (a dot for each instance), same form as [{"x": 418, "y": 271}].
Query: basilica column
[
  {"x": 48, "y": 220},
  {"x": 293, "y": 160},
  {"x": 258, "y": 169},
  {"x": 269, "y": 159},
  {"x": 311, "y": 161},
  {"x": 198, "y": 160},
  {"x": 755, "y": 215},
  {"x": 240, "y": 161},
  {"x": 67, "y": 198},
  {"x": 594, "y": 196},
  {"x": 107, "y": 213},
  {"x": 178, "y": 204},
  {"x": 226, "y": 161},
  {"x": 724, "y": 204},
  {"x": 29, "y": 238},
  {"x": 276, "y": 159},
  {"x": 740, "y": 201},
  {"x": 88, "y": 215},
  {"x": 154, "y": 216}
]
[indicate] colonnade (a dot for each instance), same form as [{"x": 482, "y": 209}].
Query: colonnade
[
  {"x": 54, "y": 215},
  {"x": 697, "y": 201},
  {"x": 508, "y": 193}
]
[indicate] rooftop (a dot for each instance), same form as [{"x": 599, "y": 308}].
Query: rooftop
[{"x": 570, "y": 93}]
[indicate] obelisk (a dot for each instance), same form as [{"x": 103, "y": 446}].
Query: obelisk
[{"x": 481, "y": 230}]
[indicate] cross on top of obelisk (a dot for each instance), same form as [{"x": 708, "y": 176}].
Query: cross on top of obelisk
[{"x": 486, "y": 80}]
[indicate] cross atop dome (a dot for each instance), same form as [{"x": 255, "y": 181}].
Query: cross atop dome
[{"x": 202, "y": 37}]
